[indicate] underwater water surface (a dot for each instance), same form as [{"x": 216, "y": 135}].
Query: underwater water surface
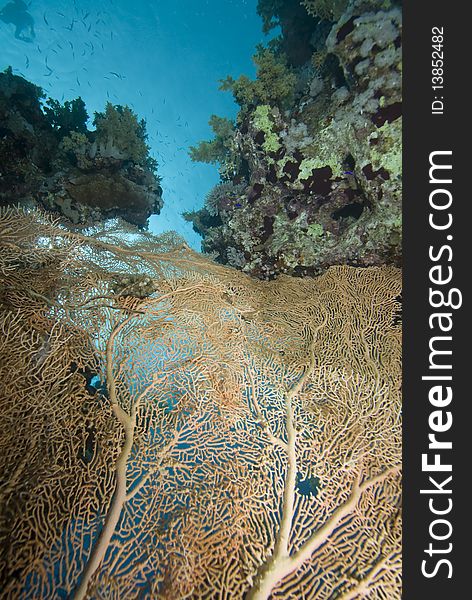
[{"x": 163, "y": 59}]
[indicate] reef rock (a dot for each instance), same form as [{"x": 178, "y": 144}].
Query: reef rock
[
  {"x": 321, "y": 174},
  {"x": 49, "y": 158}
]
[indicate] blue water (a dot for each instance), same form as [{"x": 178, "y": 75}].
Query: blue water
[{"x": 163, "y": 58}]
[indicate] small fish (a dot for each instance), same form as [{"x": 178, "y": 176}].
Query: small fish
[
  {"x": 52, "y": 50},
  {"x": 27, "y": 62},
  {"x": 348, "y": 173},
  {"x": 89, "y": 27},
  {"x": 71, "y": 45},
  {"x": 238, "y": 205},
  {"x": 45, "y": 20},
  {"x": 39, "y": 49},
  {"x": 116, "y": 74},
  {"x": 60, "y": 14},
  {"x": 85, "y": 16},
  {"x": 78, "y": 82},
  {"x": 59, "y": 46},
  {"x": 71, "y": 26}
]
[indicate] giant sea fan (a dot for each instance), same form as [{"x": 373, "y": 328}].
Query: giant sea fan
[{"x": 172, "y": 428}]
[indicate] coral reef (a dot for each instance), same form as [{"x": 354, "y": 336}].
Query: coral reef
[
  {"x": 330, "y": 10},
  {"x": 274, "y": 84},
  {"x": 299, "y": 33},
  {"x": 48, "y": 157},
  {"x": 321, "y": 161},
  {"x": 68, "y": 117},
  {"x": 26, "y": 138},
  {"x": 221, "y": 149},
  {"x": 172, "y": 427},
  {"x": 118, "y": 134},
  {"x": 223, "y": 198}
]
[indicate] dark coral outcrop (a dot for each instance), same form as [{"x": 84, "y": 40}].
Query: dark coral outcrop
[{"x": 49, "y": 158}]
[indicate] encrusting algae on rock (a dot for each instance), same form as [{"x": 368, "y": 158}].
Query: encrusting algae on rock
[{"x": 324, "y": 158}]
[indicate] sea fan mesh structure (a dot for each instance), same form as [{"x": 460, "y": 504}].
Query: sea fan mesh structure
[{"x": 174, "y": 429}]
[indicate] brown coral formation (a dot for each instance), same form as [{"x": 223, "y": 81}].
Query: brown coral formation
[
  {"x": 90, "y": 197},
  {"x": 171, "y": 427}
]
